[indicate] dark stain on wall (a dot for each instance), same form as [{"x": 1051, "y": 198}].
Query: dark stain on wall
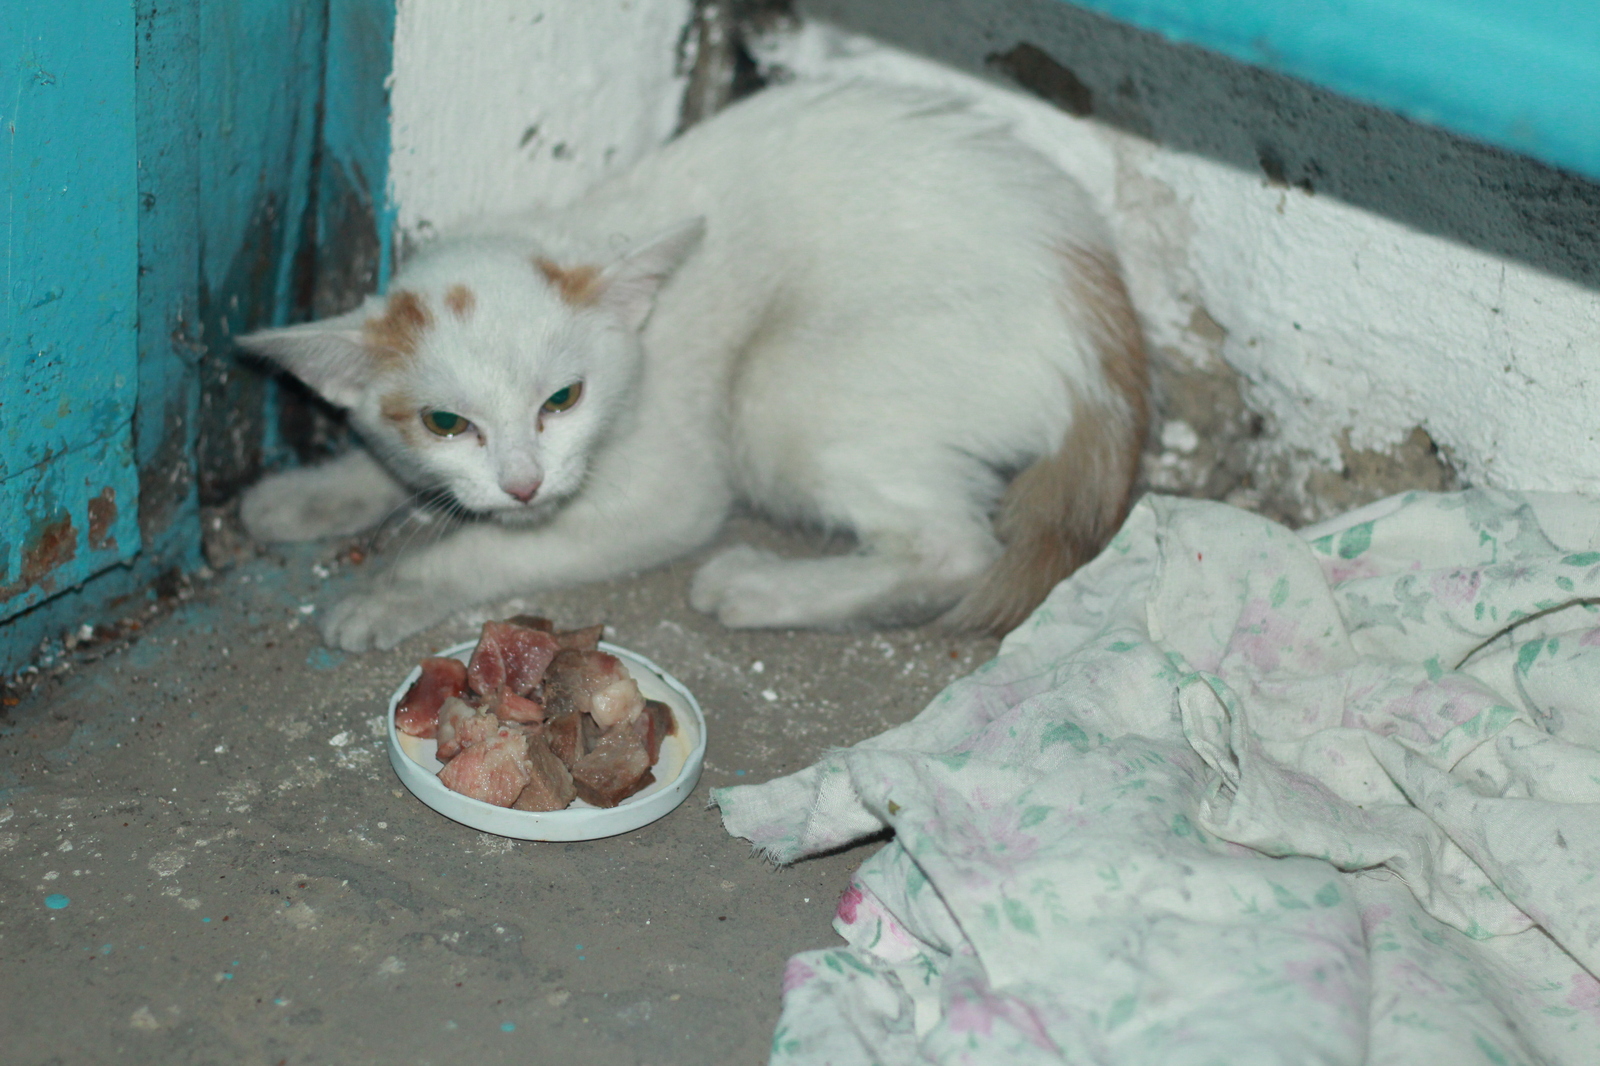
[
  {"x": 166, "y": 477},
  {"x": 1034, "y": 70},
  {"x": 1277, "y": 170},
  {"x": 713, "y": 54},
  {"x": 233, "y": 394},
  {"x": 338, "y": 267},
  {"x": 53, "y": 543},
  {"x": 346, "y": 264},
  {"x": 102, "y": 517}
]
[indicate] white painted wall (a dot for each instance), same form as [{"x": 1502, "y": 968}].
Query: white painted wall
[
  {"x": 498, "y": 104},
  {"x": 1339, "y": 320}
]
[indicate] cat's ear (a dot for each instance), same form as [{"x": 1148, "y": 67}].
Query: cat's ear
[
  {"x": 629, "y": 286},
  {"x": 332, "y": 356}
]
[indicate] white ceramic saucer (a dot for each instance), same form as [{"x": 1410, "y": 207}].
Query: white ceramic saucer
[{"x": 676, "y": 772}]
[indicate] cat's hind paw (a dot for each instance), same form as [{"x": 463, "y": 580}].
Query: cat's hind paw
[
  {"x": 382, "y": 617},
  {"x": 747, "y": 588},
  {"x": 744, "y": 587}
]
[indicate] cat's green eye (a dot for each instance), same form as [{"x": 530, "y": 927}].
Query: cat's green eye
[
  {"x": 445, "y": 423},
  {"x": 562, "y": 399}
]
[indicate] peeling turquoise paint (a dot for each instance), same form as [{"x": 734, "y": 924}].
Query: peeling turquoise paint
[
  {"x": 47, "y": 501},
  {"x": 323, "y": 659},
  {"x": 68, "y": 351},
  {"x": 229, "y": 159}
]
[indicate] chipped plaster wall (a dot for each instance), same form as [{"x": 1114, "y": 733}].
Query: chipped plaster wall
[{"x": 502, "y": 103}]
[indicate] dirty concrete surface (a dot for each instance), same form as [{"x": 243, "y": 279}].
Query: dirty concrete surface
[{"x": 206, "y": 858}]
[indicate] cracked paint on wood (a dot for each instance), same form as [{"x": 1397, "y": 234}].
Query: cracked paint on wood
[
  {"x": 68, "y": 365},
  {"x": 230, "y": 166}
]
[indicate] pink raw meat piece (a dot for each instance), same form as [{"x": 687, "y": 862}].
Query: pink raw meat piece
[
  {"x": 562, "y": 679},
  {"x": 509, "y": 707},
  {"x": 549, "y": 786},
  {"x": 618, "y": 767},
  {"x": 418, "y": 712},
  {"x": 654, "y": 725},
  {"x": 593, "y": 683},
  {"x": 494, "y": 770},
  {"x": 571, "y": 736},
  {"x": 585, "y": 639},
  {"x": 460, "y": 725},
  {"x": 509, "y": 658}
]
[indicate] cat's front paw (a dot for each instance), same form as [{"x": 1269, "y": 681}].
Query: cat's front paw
[
  {"x": 342, "y": 496},
  {"x": 383, "y": 617},
  {"x": 272, "y": 510}
]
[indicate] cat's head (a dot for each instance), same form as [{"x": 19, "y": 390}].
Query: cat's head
[{"x": 488, "y": 370}]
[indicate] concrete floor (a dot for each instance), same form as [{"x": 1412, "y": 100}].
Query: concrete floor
[{"x": 206, "y": 858}]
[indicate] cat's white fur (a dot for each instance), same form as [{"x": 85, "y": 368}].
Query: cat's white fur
[{"x": 851, "y": 305}]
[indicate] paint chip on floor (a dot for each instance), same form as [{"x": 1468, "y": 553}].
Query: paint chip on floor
[{"x": 323, "y": 659}]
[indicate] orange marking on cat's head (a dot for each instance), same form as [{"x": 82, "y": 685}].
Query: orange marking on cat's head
[
  {"x": 400, "y": 410},
  {"x": 395, "y": 335},
  {"x": 460, "y": 300},
  {"x": 578, "y": 286}
]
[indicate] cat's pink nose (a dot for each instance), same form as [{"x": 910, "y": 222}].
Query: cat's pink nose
[{"x": 522, "y": 493}]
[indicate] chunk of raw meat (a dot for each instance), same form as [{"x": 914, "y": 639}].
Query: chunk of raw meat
[
  {"x": 509, "y": 707},
  {"x": 549, "y": 786},
  {"x": 418, "y": 712},
  {"x": 585, "y": 639},
  {"x": 460, "y": 725},
  {"x": 494, "y": 770},
  {"x": 653, "y": 725},
  {"x": 618, "y": 767},
  {"x": 617, "y": 704},
  {"x": 537, "y": 718},
  {"x": 571, "y": 736},
  {"x": 563, "y": 679},
  {"x": 509, "y": 658},
  {"x": 594, "y": 683}
]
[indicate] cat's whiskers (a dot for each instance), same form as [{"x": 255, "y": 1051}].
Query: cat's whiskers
[
  {"x": 395, "y": 520},
  {"x": 439, "y": 516},
  {"x": 426, "y": 516}
]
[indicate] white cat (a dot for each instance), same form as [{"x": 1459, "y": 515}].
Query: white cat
[{"x": 854, "y": 306}]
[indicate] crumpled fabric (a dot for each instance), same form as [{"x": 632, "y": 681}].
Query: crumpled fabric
[{"x": 1237, "y": 795}]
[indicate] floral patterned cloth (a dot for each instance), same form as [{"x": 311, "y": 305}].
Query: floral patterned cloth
[{"x": 1235, "y": 795}]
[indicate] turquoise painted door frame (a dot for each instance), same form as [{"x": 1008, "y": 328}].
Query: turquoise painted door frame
[
  {"x": 177, "y": 172},
  {"x": 69, "y": 363},
  {"x": 1519, "y": 74}
]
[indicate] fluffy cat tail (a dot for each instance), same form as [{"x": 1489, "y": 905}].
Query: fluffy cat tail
[{"x": 1059, "y": 512}]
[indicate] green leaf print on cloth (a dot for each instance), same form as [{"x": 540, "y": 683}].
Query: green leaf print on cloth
[{"x": 1235, "y": 794}]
